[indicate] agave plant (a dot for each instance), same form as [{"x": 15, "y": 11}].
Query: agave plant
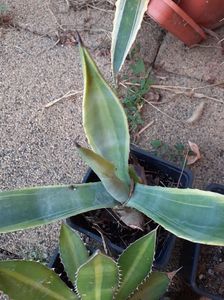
[
  {"x": 191, "y": 214},
  {"x": 97, "y": 277}
]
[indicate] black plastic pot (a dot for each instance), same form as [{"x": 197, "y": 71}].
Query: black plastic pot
[
  {"x": 191, "y": 255},
  {"x": 151, "y": 162}
]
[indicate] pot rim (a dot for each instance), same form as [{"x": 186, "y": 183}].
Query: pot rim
[{"x": 190, "y": 35}]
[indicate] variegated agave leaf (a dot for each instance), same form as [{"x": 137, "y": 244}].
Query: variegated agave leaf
[
  {"x": 135, "y": 264},
  {"x": 106, "y": 171},
  {"x": 97, "y": 279},
  {"x": 153, "y": 287},
  {"x": 104, "y": 119},
  {"x": 128, "y": 18},
  {"x": 73, "y": 252},
  {"x": 32, "y": 280},
  {"x": 30, "y": 207},
  {"x": 191, "y": 214}
]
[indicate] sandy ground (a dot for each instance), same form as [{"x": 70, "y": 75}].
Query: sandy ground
[{"x": 37, "y": 144}]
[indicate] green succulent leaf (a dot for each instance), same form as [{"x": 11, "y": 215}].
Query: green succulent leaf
[
  {"x": 97, "y": 279},
  {"x": 31, "y": 280},
  {"x": 31, "y": 207},
  {"x": 106, "y": 172},
  {"x": 153, "y": 287},
  {"x": 104, "y": 119},
  {"x": 128, "y": 18},
  {"x": 135, "y": 264},
  {"x": 73, "y": 252},
  {"x": 191, "y": 214}
]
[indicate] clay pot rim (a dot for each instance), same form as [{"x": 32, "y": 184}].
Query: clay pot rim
[
  {"x": 181, "y": 13},
  {"x": 207, "y": 14}
]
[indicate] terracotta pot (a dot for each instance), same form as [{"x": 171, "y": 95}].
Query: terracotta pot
[
  {"x": 171, "y": 17},
  {"x": 207, "y": 13}
]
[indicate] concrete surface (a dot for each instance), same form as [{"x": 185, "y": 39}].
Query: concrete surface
[
  {"x": 38, "y": 144},
  {"x": 204, "y": 62},
  {"x": 207, "y": 132}
]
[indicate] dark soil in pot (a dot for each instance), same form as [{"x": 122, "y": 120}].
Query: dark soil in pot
[
  {"x": 203, "y": 266},
  {"x": 210, "y": 270},
  {"x": 210, "y": 274}
]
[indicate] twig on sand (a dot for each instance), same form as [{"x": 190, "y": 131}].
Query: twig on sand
[
  {"x": 53, "y": 15},
  {"x": 183, "y": 167},
  {"x": 137, "y": 135},
  {"x": 82, "y": 4},
  {"x": 183, "y": 90},
  {"x": 189, "y": 92},
  {"x": 67, "y": 95},
  {"x": 67, "y": 4}
]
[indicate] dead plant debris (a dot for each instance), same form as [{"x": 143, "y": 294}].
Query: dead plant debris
[
  {"x": 67, "y": 95},
  {"x": 78, "y": 5},
  {"x": 195, "y": 156},
  {"x": 67, "y": 38},
  {"x": 196, "y": 114}
]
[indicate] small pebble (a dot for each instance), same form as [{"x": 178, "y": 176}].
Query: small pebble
[{"x": 210, "y": 272}]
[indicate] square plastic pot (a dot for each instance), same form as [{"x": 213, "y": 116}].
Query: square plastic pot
[
  {"x": 153, "y": 163},
  {"x": 191, "y": 255}
]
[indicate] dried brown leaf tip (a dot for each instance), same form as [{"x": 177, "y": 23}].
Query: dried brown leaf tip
[
  {"x": 170, "y": 275},
  {"x": 196, "y": 114},
  {"x": 131, "y": 217},
  {"x": 67, "y": 38},
  {"x": 194, "y": 153}
]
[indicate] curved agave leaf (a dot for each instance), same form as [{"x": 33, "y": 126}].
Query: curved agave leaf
[
  {"x": 128, "y": 18},
  {"x": 97, "y": 279},
  {"x": 104, "y": 119},
  {"x": 191, "y": 214},
  {"x": 153, "y": 288},
  {"x": 73, "y": 252},
  {"x": 135, "y": 264},
  {"x": 106, "y": 172},
  {"x": 31, "y": 280},
  {"x": 31, "y": 207}
]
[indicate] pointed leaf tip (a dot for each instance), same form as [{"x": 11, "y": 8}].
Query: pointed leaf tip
[
  {"x": 78, "y": 38},
  {"x": 77, "y": 145},
  {"x": 129, "y": 262},
  {"x": 106, "y": 171},
  {"x": 127, "y": 21},
  {"x": 104, "y": 119},
  {"x": 97, "y": 278},
  {"x": 73, "y": 252},
  {"x": 170, "y": 275}
]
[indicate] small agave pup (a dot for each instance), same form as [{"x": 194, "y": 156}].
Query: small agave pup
[
  {"x": 97, "y": 277},
  {"x": 191, "y": 214}
]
